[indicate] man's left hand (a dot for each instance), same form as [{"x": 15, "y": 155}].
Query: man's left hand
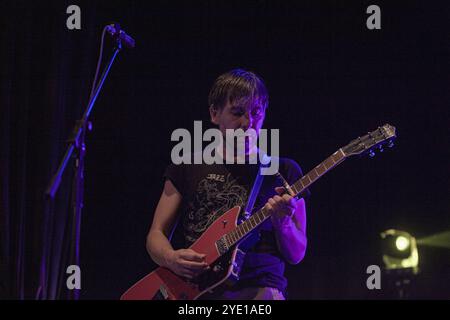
[{"x": 282, "y": 207}]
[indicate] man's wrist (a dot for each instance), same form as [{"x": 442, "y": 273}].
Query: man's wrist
[
  {"x": 284, "y": 222},
  {"x": 167, "y": 255}
]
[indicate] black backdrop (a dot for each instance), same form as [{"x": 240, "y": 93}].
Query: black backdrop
[{"x": 329, "y": 77}]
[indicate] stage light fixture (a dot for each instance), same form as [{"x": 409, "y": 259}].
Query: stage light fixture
[
  {"x": 399, "y": 251},
  {"x": 402, "y": 243}
]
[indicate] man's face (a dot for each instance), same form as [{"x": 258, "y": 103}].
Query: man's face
[{"x": 238, "y": 116}]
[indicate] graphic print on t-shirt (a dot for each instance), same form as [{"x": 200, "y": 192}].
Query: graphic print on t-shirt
[{"x": 214, "y": 195}]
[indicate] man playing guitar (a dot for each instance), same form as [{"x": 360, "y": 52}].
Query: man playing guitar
[{"x": 195, "y": 195}]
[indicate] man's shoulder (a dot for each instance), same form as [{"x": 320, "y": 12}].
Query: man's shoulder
[
  {"x": 284, "y": 163},
  {"x": 287, "y": 164},
  {"x": 192, "y": 167}
]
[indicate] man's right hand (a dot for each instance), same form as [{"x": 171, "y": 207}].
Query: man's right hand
[{"x": 186, "y": 262}]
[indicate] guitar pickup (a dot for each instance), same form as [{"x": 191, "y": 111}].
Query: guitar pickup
[{"x": 221, "y": 246}]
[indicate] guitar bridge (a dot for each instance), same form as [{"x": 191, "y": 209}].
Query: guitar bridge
[{"x": 163, "y": 292}]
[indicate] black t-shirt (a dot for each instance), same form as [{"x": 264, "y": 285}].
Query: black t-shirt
[{"x": 208, "y": 191}]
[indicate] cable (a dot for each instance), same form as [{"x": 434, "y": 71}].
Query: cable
[{"x": 94, "y": 84}]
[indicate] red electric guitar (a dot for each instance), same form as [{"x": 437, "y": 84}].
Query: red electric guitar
[{"x": 220, "y": 242}]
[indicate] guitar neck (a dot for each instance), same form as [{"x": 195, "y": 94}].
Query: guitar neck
[{"x": 298, "y": 187}]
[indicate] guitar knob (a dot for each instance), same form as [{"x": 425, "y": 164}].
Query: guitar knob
[
  {"x": 381, "y": 149},
  {"x": 371, "y": 154},
  {"x": 391, "y": 144},
  {"x": 217, "y": 268}
]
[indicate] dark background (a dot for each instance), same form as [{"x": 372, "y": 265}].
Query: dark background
[{"x": 330, "y": 79}]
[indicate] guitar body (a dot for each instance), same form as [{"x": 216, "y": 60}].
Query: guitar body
[{"x": 164, "y": 284}]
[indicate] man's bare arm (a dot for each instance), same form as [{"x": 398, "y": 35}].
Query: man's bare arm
[
  {"x": 158, "y": 245},
  {"x": 290, "y": 231},
  {"x": 184, "y": 262}
]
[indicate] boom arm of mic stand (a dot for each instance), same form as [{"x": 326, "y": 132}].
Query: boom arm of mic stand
[{"x": 74, "y": 138}]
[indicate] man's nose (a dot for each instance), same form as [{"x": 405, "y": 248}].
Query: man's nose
[{"x": 246, "y": 122}]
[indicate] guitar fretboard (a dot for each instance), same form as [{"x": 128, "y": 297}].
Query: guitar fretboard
[{"x": 298, "y": 187}]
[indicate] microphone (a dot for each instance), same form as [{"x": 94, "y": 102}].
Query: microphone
[{"x": 119, "y": 35}]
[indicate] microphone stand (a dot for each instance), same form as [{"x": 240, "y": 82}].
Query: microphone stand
[{"x": 77, "y": 148}]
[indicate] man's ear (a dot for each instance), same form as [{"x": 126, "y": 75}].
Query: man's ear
[{"x": 214, "y": 113}]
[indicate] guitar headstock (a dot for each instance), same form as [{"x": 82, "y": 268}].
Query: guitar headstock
[{"x": 371, "y": 142}]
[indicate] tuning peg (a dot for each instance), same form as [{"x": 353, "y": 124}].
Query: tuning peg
[{"x": 371, "y": 153}]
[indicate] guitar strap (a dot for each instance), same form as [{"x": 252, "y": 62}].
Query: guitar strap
[
  {"x": 254, "y": 236},
  {"x": 256, "y": 186}
]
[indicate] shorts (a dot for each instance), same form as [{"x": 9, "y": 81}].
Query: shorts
[{"x": 253, "y": 293}]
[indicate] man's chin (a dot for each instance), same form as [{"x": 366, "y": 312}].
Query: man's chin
[{"x": 248, "y": 151}]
